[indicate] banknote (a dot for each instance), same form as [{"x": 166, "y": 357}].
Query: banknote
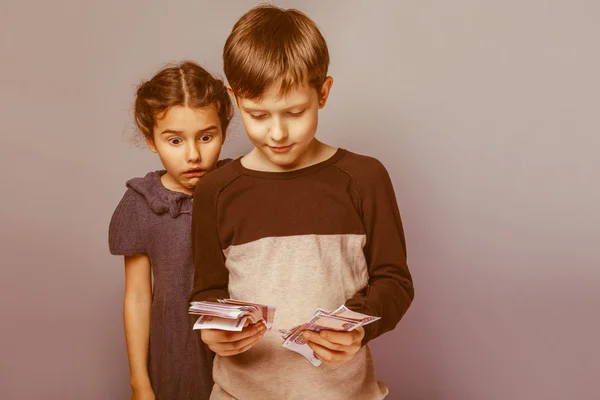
[
  {"x": 225, "y": 324},
  {"x": 341, "y": 320}
]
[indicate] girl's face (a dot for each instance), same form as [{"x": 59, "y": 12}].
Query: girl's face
[{"x": 188, "y": 142}]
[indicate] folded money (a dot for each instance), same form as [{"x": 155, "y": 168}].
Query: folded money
[
  {"x": 230, "y": 315},
  {"x": 341, "y": 320}
]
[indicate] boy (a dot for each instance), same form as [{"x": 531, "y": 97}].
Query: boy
[{"x": 295, "y": 224}]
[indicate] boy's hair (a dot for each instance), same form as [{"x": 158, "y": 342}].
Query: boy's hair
[
  {"x": 271, "y": 45},
  {"x": 186, "y": 84}
]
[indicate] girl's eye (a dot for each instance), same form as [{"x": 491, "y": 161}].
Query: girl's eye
[
  {"x": 296, "y": 114},
  {"x": 258, "y": 116},
  {"x": 175, "y": 141},
  {"x": 205, "y": 138}
]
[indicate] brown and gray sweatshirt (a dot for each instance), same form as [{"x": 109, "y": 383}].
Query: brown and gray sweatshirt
[{"x": 317, "y": 237}]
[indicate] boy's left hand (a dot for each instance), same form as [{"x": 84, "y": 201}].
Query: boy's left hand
[{"x": 334, "y": 348}]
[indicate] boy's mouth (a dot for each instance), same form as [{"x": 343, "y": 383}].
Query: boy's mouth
[{"x": 280, "y": 149}]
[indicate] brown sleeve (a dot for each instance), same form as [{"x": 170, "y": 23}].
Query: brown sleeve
[
  {"x": 210, "y": 274},
  {"x": 224, "y": 161},
  {"x": 390, "y": 290}
]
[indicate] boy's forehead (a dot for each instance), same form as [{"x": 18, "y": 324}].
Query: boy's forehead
[{"x": 274, "y": 96}]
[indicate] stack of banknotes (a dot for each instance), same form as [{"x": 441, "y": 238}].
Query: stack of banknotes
[{"x": 230, "y": 315}]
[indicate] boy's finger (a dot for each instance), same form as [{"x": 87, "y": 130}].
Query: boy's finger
[
  {"x": 235, "y": 346},
  {"x": 253, "y": 341},
  {"x": 221, "y": 346},
  {"x": 221, "y": 336},
  {"x": 314, "y": 337},
  {"x": 326, "y": 355},
  {"x": 247, "y": 332},
  {"x": 210, "y": 335},
  {"x": 342, "y": 338}
]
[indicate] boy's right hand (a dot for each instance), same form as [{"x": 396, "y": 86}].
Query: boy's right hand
[{"x": 228, "y": 343}]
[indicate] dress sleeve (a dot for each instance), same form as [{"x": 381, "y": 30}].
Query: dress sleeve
[{"x": 127, "y": 232}]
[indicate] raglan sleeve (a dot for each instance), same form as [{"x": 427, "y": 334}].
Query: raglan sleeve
[
  {"x": 390, "y": 290},
  {"x": 211, "y": 277}
]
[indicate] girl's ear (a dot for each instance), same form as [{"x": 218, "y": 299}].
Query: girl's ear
[
  {"x": 232, "y": 94},
  {"x": 150, "y": 143}
]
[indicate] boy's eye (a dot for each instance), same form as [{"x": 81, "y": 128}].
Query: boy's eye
[
  {"x": 175, "y": 141},
  {"x": 205, "y": 138},
  {"x": 296, "y": 114}
]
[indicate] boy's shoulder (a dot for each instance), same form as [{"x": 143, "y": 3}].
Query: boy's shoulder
[
  {"x": 218, "y": 178},
  {"x": 360, "y": 166},
  {"x": 367, "y": 173}
]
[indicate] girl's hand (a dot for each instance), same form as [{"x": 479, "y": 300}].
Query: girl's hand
[
  {"x": 227, "y": 343},
  {"x": 335, "y": 348},
  {"x": 145, "y": 393}
]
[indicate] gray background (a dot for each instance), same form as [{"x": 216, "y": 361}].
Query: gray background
[{"x": 484, "y": 112}]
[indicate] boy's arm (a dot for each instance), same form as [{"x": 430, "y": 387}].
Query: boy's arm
[
  {"x": 390, "y": 290},
  {"x": 211, "y": 277},
  {"x": 210, "y": 274}
]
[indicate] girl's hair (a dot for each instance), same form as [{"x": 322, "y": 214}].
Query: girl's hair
[{"x": 186, "y": 84}]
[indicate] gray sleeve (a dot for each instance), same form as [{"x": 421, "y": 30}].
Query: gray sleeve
[{"x": 127, "y": 230}]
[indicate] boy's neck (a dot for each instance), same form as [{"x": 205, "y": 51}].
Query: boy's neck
[{"x": 317, "y": 152}]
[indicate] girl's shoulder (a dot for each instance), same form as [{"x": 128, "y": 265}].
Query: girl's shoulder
[
  {"x": 127, "y": 229},
  {"x": 140, "y": 193},
  {"x": 127, "y": 232}
]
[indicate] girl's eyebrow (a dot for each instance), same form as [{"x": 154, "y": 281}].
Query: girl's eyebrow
[{"x": 176, "y": 132}]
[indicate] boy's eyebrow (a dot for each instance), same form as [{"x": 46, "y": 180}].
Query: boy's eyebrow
[
  {"x": 176, "y": 132},
  {"x": 259, "y": 109}
]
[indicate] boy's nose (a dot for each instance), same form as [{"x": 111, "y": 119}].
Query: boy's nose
[{"x": 278, "y": 132}]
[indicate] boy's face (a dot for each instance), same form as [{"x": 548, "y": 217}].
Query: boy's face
[{"x": 283, "y": 128}]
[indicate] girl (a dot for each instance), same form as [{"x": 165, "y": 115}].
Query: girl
[{"x": 183, "y": 113}]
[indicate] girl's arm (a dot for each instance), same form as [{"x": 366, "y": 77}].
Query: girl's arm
[{"x": 137, "y": 305}]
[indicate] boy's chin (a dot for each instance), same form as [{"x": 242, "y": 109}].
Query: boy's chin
[
  {"x": 285, "y": 163},
  {"x": 282, "y": 161}
]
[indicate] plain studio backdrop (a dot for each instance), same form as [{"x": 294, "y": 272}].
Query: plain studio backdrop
[{"x": 486, "y": 114}]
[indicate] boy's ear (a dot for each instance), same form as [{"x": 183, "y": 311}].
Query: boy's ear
[
  {"x": 325, "y": 90},
  {"x": 151, "y": 145}
]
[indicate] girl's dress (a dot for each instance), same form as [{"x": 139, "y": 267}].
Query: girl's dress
[{"x": 153, "y": 220}]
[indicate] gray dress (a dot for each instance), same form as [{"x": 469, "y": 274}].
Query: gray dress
[{"x": 153, "y": 220}]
